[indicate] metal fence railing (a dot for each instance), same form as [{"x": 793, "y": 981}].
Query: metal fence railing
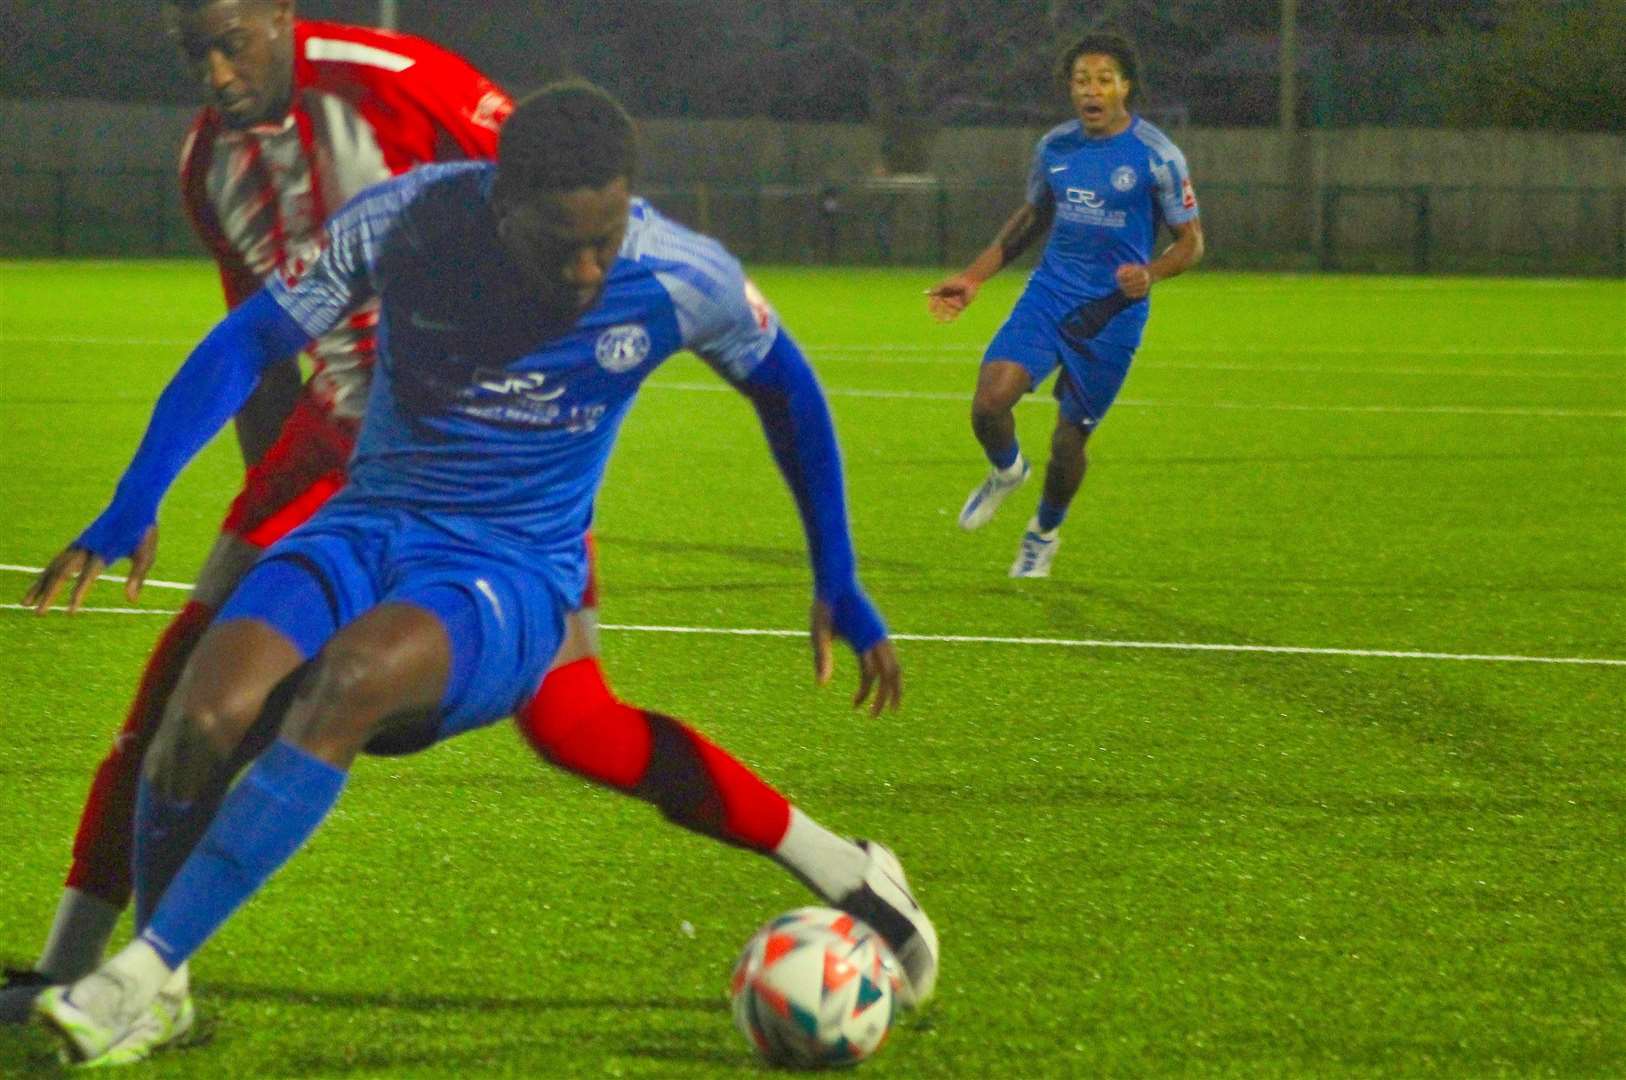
[{"x": 1415, "y": 229}]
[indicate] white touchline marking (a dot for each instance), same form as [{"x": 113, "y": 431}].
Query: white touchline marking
[
  {"x": 1294, "y": 350},
  {"x": 970, "y": 358},
  {"x": 151, "y": 583},
  {"x": 99, "y": 610},
  {"x": 1146, "y": 403},
  {"x": 1059, "y": 643}
]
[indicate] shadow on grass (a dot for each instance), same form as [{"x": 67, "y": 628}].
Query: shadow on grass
[
  {"x": 794, "y": 558},
  {"x": 498, "y": 1054},
  {"x": 25, "y": 1050},
  {"x": 484, "y": 1003}
]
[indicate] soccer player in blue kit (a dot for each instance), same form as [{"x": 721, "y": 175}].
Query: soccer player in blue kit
[
  {"x": 1101, "y": 184},
  {"x": 523, "y": 304}
]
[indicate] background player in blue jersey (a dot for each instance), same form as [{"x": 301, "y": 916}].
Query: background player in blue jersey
[
  {"x": 1101, "y": 184},
  {"x": 523, "y": 306}
]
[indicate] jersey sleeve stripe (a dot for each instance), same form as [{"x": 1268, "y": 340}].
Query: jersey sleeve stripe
[{"x": 353, "y": 52}]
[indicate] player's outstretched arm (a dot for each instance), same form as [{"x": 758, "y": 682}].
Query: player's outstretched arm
[
  {"x": 206, "y": 392},
  {"x": 796, "y": 419},
  {"x": 949, "y": 297}
]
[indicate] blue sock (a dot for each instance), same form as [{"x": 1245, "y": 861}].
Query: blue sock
[
  {"x": 1050, "y": 515},
  {"x": 166, "y": 831},
  {"x": 1004, "y": 459},
  {"x": 266, "y": 818}
]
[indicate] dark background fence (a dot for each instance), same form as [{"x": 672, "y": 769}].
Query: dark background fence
[{"x": 1417, "y": 229}]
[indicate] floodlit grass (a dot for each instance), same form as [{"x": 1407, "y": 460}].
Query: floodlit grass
[{"x": 1143, "y": 861}]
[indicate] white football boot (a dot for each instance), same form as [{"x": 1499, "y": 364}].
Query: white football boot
[
  {"x": 885, "y": 903},
  {"x": 105, "y": 1018},
  {"x": 980, "y": 505},
  {"x": 1034, "y": 557},
  {"x": 89, "y": 1016},
  {"x": 167, "y": 1022}
]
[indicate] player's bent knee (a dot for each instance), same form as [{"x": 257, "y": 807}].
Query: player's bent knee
[
  {"x": 184, "y": 759},
  {"x": 342, "y": 702},
  {"x": 219, "y": 714}
]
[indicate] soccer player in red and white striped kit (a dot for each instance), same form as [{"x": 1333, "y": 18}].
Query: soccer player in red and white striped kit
[{"x": 302, "y": 115}]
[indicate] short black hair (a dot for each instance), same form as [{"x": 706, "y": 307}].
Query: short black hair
[
  {"x": 565, "y": 136},
  {"x": 1104, "y": 43}
]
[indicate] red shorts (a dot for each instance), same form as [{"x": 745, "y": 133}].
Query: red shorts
[{"x": 301, "y": 471}]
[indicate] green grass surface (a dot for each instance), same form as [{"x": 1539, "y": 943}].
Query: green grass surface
[{"x": 1143, "y": 861}]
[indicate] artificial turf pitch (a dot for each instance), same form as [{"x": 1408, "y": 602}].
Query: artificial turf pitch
[{"x": 1143, "y": 861}]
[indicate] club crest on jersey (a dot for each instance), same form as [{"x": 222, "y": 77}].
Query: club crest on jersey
[
  {"x": 622, "y": 348},
  {"x": 1123, "y": 178}
]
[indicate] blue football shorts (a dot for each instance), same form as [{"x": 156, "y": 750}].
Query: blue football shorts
[
  {"x": 505, "y": 619},
  {"x": 1092, "y": 372}
]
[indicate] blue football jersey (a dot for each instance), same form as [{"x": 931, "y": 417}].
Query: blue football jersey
[
  {"x": 481, "y": 416},
  {"x": 1109, "y": 196}
]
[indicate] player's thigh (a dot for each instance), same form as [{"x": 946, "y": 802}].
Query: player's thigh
[
  {"x": 1000, "y": 385},
  {"x": 1068, "y": 439},
  {"x": 1090, "y": 381},
  {"x": 385, "y": 669},
  {"x": 1023, "y": 353},
  {"x": 581, "y": 625},
  {"x": 216, "y": 703},
  {"x": 229, "y": 560},
  {"x": 505, "y": 624}
]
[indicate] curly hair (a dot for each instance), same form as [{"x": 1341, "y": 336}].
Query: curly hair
[
  {"x": 565, "y": 136},
  {"x": 1104, "y": 43}
]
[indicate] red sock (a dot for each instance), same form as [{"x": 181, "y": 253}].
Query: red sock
[
  {"x": 577, "y": 723},
  {"x": 101, "y": 848}
]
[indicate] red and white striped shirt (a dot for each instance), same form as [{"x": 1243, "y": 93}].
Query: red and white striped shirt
[{"x": 367, "y": 105}]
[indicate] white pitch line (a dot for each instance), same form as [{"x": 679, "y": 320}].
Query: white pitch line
[
  {"x": 100, "y": 610},
  {"x": 1060, "y": 643},
  {"x": 1295, "y": 350},
  {"x": 151, "y": 583},
  {"x": 969, "y": 358}
]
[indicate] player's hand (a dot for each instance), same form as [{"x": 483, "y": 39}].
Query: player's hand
[
  {"x": 85, "y": 567},
  {"x": 947, "y": 299},
  {"x": 1134, "y": 281},
  {"x": 878, "y": 665}
]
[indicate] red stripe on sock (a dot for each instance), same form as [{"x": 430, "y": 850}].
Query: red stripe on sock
[{"x": 101, "y": 846}]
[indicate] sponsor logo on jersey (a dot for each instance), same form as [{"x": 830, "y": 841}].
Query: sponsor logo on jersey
[
  {"x": 1188, "y": 197},
  {"x": 760, "y": 308},
  {"x": 622, "y": 348},
  {"x": 1085, "y": 197},
  {"x": 491, "y": 110},
  {"x": 527, "y": 384},
  {"x": 424, "y": 322},
  {"x": 1123, "y": 178}
]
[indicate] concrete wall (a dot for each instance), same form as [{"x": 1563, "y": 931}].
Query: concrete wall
[
  {"x": 76, "y": 134},
  {"x": 1539, "y": 199}
]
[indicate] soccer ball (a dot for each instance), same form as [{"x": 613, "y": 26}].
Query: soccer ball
[{"x": 815, "y": 987}]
